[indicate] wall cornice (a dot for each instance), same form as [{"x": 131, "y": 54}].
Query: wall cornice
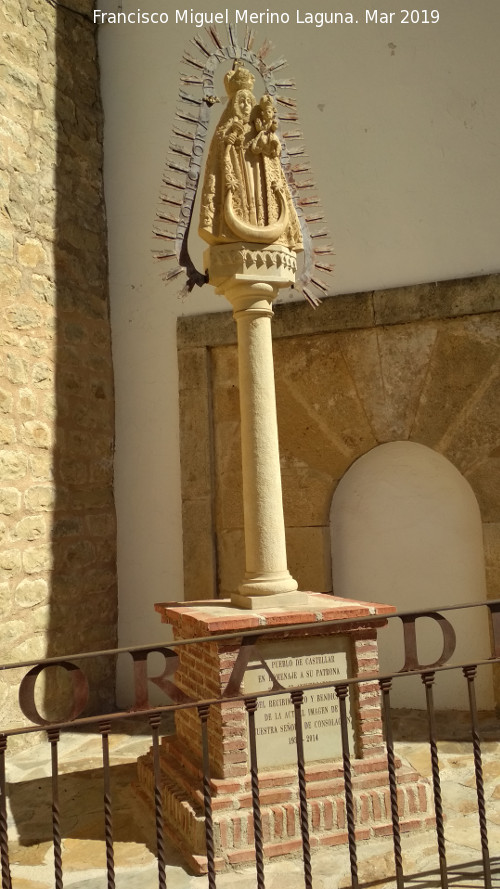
[{"x": 356, "y": 311}]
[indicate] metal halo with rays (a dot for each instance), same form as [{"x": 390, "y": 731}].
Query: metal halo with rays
[{"x": 185, "y": 160}]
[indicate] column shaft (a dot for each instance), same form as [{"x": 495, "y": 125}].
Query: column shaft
[{"x": 265, "y": 546}]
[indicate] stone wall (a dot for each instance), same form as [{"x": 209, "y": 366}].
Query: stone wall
[
  {"x": 415, "y": 364},
  {"x": 57, "y": 558}
]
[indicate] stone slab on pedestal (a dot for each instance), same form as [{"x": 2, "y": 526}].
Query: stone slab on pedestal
[
  {"x": 299, "y": 662},
  {"x": 312, "y": 655}
]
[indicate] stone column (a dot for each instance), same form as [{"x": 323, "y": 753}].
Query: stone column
[{"x": 250, "y": 279}]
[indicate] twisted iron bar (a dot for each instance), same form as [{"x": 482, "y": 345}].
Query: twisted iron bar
[
  {"x": 342, "y": 691},
  {"x": 251, "y": 707},
  {"x": 53, "y": 736},
  {"x": 428, "y": 681},
  {"x": 203, "y": 713},
  {"x": 385, "y": 686},
  {"x": 297, "y": 698},
  {"x": 105, "y": 728},
  {"x": 470, "y": 675},
  {"x": 4, "y": 837},
  {"x": 154, "y": 722}
]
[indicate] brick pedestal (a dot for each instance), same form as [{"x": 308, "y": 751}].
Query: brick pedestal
[{"x": 204, "y": 671}]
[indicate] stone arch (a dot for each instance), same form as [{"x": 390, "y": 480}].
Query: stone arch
[{"x": 406, "y": 529}]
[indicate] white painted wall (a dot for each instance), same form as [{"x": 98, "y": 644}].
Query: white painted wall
[
  {"x": 406, "y": 529},
  {"x": 402, "y": 125}
]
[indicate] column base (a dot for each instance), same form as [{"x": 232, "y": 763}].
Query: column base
[
  {"x": 276, "y": 600},
  {"x": 269, "y": 583}
]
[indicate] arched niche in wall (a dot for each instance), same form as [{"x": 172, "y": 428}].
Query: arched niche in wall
[{"x": 406, "y": 530}]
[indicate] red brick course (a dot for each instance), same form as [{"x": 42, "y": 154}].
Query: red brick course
[{"x": 233, "y": 817}]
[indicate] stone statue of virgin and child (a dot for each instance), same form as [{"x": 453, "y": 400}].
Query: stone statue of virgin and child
[{"x": 245, "y": 195}]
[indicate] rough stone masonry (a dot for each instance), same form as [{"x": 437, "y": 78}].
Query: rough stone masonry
[{"x": 57, "y": 519}]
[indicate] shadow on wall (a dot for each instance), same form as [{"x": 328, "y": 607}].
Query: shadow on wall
[
  {"x": 406, "y": 529},
  {"x": 83, "y": 598}
]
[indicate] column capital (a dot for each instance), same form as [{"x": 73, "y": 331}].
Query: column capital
[{"x": 249, "y": 276}]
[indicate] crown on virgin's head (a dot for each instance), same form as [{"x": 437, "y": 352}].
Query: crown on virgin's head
[{"x": 239, "y": 78}]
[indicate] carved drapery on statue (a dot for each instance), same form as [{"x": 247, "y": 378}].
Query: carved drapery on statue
[{"x": 245, "y": 195}]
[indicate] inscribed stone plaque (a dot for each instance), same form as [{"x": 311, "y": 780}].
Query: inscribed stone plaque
[{"x": 299, "y": 662}]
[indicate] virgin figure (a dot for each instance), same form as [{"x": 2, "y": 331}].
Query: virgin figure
[{"x": 245, "y": 195}]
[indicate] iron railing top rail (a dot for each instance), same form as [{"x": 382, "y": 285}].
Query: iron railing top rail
[
  {"x": 164, "y": 709},
  {"x": 492, "y": 604}
]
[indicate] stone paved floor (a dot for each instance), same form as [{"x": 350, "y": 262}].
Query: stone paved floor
[{"x": 82, "y": 820}]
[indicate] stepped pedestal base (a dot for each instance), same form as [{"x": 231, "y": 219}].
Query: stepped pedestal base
[{"x": 314, "y": 655}]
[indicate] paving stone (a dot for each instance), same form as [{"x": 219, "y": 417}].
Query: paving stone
[
  {"x": 24, "y": 883},
  {"x": 464, "y": 831},
  {"x": 82, "y": 764},
  {"x": 147, "y": 878},
  {"x": 455, "y": 747},
  {"x": 491, "y": 772},
  {"x": 377, "y": 867},
  {"x": 418, "y": 756},
  {"x": 130, "y": 749},
  {"x": 80, "y": 853},
  {"x": 458, "y": 798},
  {"x": 29, "y": 855}
]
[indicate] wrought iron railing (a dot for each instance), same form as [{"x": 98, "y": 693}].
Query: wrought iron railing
[{"x": 32, "y": 721}]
